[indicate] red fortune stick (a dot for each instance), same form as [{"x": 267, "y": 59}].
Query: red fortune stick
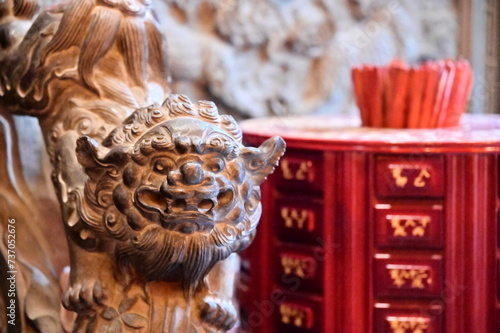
[
  {"x": 432, "y": 75},
  {"x": 450, "y": 81},
  {"x": 398, "y": 87},
  {"x": 357, "y": 82},
  {"x": 441, "y": 86},
  {"x": 416, "y": 96}
]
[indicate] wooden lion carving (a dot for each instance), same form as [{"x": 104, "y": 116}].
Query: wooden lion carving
[
  {"x": 155, "y": 199},
  {"x": 170, "y": 193}
]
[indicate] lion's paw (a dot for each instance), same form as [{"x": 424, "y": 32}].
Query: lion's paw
[
  {"x": 218, "y": 313},
  {"x": 80, "y": 296}
]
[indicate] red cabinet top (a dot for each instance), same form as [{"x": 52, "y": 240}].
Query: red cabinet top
[{"x": 477, "y": 133}]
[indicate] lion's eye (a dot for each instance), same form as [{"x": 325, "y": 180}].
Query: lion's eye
[
  {"x": 159, "y": 166},
  {"x": 217, "y": 165},
  {"x": 162, "y": 166}
]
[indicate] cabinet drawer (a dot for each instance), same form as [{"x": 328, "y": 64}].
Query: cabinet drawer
[
  {"x": 412, "y": 319},
  {"x": 409, "y": 176},
  {"x": 300, "y": 170},
  {"x": 299, "y": 220},
  {"x": 409, "y": 276},
  {"x": 409, "y": 226},
  {"x": 300, "y": 268},
  {"x": 299, "y": 314}
]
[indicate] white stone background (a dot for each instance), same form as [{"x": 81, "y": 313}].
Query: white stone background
[{"x": 257, "y": 58}]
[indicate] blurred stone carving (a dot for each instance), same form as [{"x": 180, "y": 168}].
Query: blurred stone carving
[
  {"x": 262, "y": 57},
  {"x": 154, "y": 200}
]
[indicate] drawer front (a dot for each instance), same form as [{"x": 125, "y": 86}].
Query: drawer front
[
  {"x": 299, "y": 314},
  {"x": 409, "y": 176},
  {"x": 419, "y": 319},
  {"x": 408, "y": 277},
  {"x": 409, "y": 226},
  {"x": 300, "y": 268},
  {"x": 301, "y": 171},
  {"x": 299, "y": 221}
]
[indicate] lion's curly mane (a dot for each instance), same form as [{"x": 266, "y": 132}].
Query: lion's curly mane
[{"x": 107, "y": 209}]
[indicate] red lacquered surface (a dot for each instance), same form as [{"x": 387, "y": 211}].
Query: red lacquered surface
[
  {"x": 301, "y": 170},
  {"x": 419, "y": 318},
  {"x": 404, "y": 176},
  {"x": 408, "y": 276},
  {"x": 297, "y": 313},
  {"x": 297, "y": 268},
  {"x": 377, "y": 230},
  {"x": 409, "y": 226},
  {"x": 299, "y": 219}
]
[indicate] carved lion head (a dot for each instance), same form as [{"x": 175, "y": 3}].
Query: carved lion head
[{"x": 173, "y": 190}]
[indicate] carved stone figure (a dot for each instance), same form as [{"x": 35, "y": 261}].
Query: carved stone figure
[{"x": 154, "y": 199}]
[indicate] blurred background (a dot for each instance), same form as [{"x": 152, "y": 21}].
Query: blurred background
[{"x": 257, "y": 58}]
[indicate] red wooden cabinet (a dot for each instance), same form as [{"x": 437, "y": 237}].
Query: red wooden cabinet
[{"x": 377, "y": 230}]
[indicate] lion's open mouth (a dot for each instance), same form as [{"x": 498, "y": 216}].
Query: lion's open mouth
[{"x": 185, "y": 214}]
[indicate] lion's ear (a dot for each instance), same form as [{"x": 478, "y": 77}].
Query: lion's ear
[
  {"x": 93, "y": 156},
  {"x": 90, "y": 154},
  {"x": 260, "y": 162}
]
